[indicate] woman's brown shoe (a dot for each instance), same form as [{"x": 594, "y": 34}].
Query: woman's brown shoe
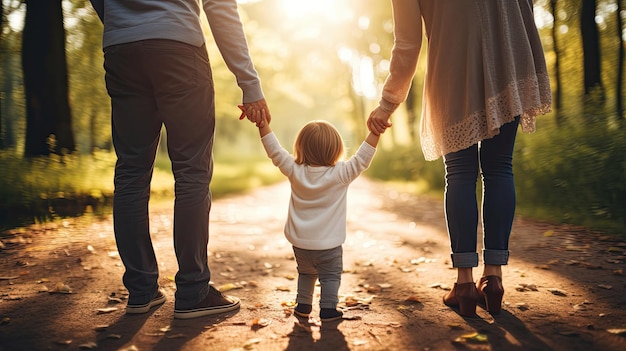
[
  {"x": 491, "y": 291},
  {"x": 464, "y": 297}
]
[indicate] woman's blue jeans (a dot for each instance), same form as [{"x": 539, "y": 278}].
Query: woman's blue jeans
[{"x": 493, "y": 158}]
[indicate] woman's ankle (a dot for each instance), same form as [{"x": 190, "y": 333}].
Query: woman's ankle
[
  {"x": 464, "y": 275},
  {"x": 490, "y": 269}
]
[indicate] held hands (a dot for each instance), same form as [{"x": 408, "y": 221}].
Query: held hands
[
  {"x": 378, "y": 121},
  {"x": 257, "y": 112},
  {"x": 263, "y": 124}
]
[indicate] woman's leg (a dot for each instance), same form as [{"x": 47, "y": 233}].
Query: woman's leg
[
  {"x": 496, "y": 162},
  {"x": 461, "y": 209}
]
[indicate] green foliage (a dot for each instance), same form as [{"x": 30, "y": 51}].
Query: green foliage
[
  {"x": 46, "y": 188},
  {"x": 573, "y": 172},
  {"x": 406, "y": 163}
]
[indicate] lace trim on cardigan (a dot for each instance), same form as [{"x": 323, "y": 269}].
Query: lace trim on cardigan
[{"x": 527, "y": 98}]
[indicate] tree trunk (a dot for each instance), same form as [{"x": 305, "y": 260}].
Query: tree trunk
[
  {"x": 557, "y": 69},
  {"x": 2, "y": 98},
  {"x": 48, "y": 117},
  {"x": 591, "y": 50},
  {"x": 619, "y": 102}
]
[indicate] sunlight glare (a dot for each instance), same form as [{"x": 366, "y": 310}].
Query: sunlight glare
[{"x": 296, "y": 9}]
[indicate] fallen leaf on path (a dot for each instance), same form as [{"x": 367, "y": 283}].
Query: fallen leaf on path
[
  {"x": 384, "y": 285},
  {"x": 165, "y": 329},
  {"x": 417, "y": 261},
  {"x": 261, "y": 322},
  {"x": 548, "y": 233},
  {"x": 282, "y": 288},
  {"x": 580, "y": 307},
  {"x": 413, "y": 298},
  {"x": 12, "y": 298},
  {"x": 472, "y": 338},
  {"x": 440, "y": 286},
  {"x": 9, "y": 278},
  {"x": 621, "y": 332},
  {"x": 352, "y": 301},
  {"x": 114, "y": 336},
  {"x": 61, "y": 288},
  {"x": 101, "y": 327},
  {"x": 604, "y": 286},
  {"x": 523, "y": 306},
  {"x": 557, "y": 292},
  {"x": 288, "y": 303},
  {"x": 130, "y": 348},
  {"x": 63, "y": 342},
  {"x": 88, "y": 346},
  {"x": 229, "y": 286},
  {"x": 618, "y": 272},
  {"x": 106, "y": 310},
  {"x": 359, "y": 342},
  {"x": 526, "y": 287},
  {"x": 5, "y": 320}
]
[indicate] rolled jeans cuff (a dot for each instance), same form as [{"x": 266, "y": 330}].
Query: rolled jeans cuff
[
  {"x": 496, "y": 257},
  {"x": 464, "y": 260}
]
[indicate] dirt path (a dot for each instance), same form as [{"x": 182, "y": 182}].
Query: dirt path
[{"x": 565, "y": 288}]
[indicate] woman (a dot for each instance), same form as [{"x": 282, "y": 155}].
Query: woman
[{"x": 486, "y": 73}]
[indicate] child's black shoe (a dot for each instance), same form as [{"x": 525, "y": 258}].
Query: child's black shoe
[
  {"x": 330, "y": 314},
  {"x": 303, "y": 310}
]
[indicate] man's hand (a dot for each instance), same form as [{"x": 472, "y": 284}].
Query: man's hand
[{"x": 257, "y": 112}]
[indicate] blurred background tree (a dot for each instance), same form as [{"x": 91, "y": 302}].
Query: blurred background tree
[{"x": 323, "y": 59}]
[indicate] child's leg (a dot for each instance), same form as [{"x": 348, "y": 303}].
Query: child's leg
[
  {"x": 330, "y": 267},
  {"x": 307, "y": 275}
]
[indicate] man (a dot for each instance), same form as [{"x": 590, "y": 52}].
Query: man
[{"x": 158, "y": 73}]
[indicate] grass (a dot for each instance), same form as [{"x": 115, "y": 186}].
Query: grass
[{"x": 46, "y": 188}]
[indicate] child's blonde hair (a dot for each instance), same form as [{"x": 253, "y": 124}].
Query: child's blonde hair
[{"x": 318, "y": 144}]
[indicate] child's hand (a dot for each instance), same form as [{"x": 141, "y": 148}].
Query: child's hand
[{"x": 257, "y": 112}]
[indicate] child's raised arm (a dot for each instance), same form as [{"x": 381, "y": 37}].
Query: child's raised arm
[
  {"x": 372, "y": 139},
  {"x": 265, "y": 128}
]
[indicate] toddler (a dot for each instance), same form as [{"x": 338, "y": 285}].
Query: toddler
[{"x": 316, "y": 221}]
